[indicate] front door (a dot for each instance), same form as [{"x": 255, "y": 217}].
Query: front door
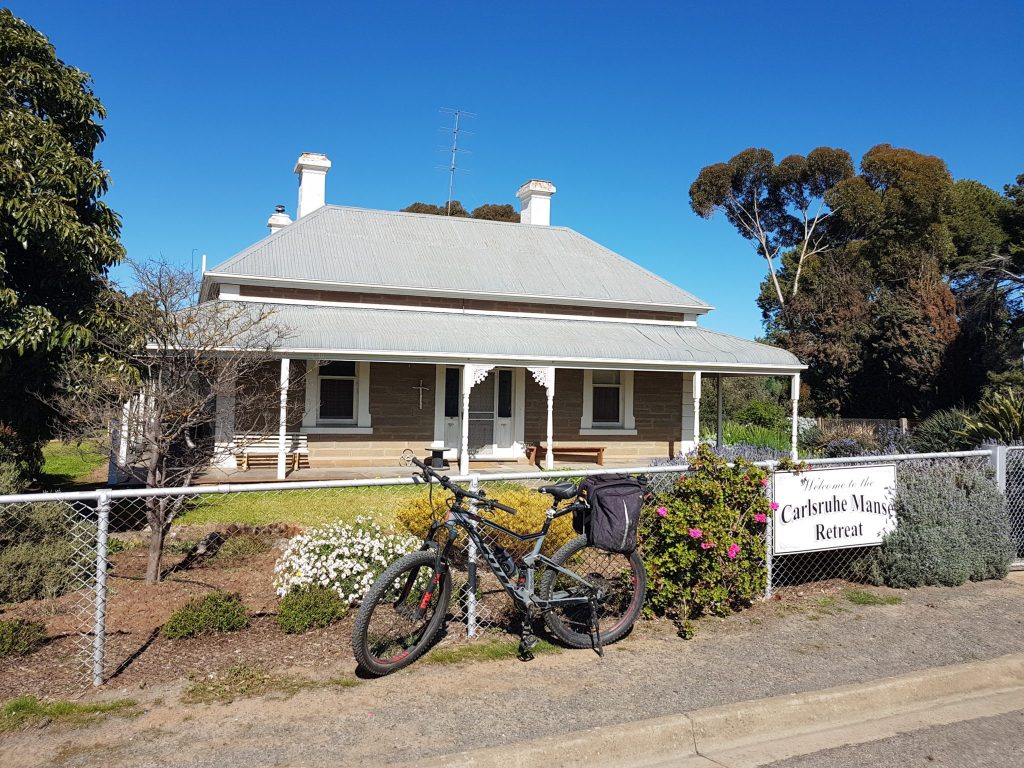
[{"x": 491, "y": 415}]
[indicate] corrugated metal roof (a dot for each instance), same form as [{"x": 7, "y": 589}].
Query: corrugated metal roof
[
  {"x": 357, "y": 246},
  {"x": 381, "y": 333}
]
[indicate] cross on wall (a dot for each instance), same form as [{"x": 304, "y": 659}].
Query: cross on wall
[{"x": 422, "y": 389}]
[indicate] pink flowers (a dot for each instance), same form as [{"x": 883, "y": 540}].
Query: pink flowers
[
  {"x": 696, "y": 533},
  {"x": 774, "y": 505},
  {"x": 662, "y": 511},
  {"x": 707, "y": 544},
  {"x": 764, "y": 481},
  {"x": 760, "y": 517},
  {"x": 734, "y": 549}
]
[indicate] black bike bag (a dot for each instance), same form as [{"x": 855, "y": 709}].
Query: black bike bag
[{"x": 612, "y": 511}]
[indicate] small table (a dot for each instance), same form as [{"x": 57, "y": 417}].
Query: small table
[{"x": 437, "y": 459}]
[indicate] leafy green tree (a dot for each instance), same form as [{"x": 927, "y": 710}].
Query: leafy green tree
[
  {"x": 57, "y": 237},
  {"x": 494, "y": 212},
  {"x": 489, "y": 211}
]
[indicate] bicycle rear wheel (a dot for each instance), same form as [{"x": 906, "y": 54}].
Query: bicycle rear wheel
[
  {"x": 621, "y": 577},
  {"x": 402, "y": 614}
]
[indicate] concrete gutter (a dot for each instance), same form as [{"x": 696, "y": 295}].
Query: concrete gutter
[{"x": 751, "y": 733}]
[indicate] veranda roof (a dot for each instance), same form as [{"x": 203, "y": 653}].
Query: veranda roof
[{"x": 463, "y": 337}]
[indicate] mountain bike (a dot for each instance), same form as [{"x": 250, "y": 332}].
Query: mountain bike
[{"x": 588, "y": 597}]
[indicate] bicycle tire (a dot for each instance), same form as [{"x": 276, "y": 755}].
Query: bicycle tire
[
  {"x": 621, "y": 605},
  {"x": 380, "y": 616}
]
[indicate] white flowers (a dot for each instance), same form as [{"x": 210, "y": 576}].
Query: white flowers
[{"x": 343, "y": 557}]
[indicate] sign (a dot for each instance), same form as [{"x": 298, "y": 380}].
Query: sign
[{"x": 833, "y": 508}]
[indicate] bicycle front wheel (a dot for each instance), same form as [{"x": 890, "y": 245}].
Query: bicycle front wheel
[
  {"x": 621, "y": 577},
  {"x": 402, "y": 614}
]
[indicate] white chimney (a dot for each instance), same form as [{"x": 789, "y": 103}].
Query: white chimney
[
  {"x": 278, "y": 220},
  {"x": 312, "y": 169},
  {"x": 535, "y": 202}
]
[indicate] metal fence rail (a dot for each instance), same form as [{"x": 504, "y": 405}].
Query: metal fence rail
[{"x": 96, "y": 525}]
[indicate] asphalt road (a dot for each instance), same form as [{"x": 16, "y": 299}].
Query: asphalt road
[{"x": 988, "y": 742}]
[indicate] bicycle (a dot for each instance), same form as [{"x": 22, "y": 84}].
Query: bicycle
[{"x": 405, "y": 611}]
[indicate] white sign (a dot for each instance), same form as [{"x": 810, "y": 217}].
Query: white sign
[{"x": 832, "y": 508}]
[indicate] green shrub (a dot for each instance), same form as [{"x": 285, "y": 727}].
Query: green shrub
[
  {"x": 239, "y": 546},
  {"x": 21, "y": 458},
  {"x": 942, "y": 431},
  {"x": 762, "y": 413},
  {"x": 308, "y": 608},
  {"x": 415, "y": 515},
  {"x": 951, "y": 527},
  {"x": 213, "y": 612},
  {"x": 703, "y": 542},
  {"x": 1000, "y": 419},
  {"x": 747, "y": 434},
  {"x": 44, "y": 551},
  {"x": 19, "y": 637}
]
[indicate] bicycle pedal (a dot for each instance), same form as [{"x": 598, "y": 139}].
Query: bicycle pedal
[{"x": 525, "y": 654}]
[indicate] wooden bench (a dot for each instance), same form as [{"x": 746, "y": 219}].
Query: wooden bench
[
  {"x": 567, "y": 450},
  {"x": 296, "y": 445}
]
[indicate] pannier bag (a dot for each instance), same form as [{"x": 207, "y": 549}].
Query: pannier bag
[{"x": 613, "y": 509}]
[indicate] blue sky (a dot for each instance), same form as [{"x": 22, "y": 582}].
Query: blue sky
[{"x": 620, "y": 105}]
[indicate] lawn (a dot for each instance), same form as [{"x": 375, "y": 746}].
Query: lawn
[
  {"x": 302, "y": 507},
  {"x": 65, "y": 464}
]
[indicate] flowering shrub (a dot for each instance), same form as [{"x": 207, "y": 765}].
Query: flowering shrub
[
  {"x": 415, "y": 515},
  {"x": 342, "y": 557},
  {"x": 703, "y": 541}
]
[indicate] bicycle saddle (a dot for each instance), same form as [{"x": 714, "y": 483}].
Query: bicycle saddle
[{"x": 562, "y": 491}]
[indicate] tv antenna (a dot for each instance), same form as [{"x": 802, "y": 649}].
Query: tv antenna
[{"x": 458, "y": 115}]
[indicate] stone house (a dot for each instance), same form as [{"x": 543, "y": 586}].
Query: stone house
[{"x": 496, "y": 341}]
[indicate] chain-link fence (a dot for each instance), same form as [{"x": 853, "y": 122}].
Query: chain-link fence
[
  {"x": 839, "y": 562},
  {"x": 1012, "y": 481},
  {"x": 87, "y": 557}
]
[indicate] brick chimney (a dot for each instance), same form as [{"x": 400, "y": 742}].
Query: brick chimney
[{"x": 278, "y": 220}]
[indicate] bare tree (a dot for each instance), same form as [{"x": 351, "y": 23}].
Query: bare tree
[{"x": 160, "y": 362}]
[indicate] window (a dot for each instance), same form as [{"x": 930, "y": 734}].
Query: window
[
  {"x": 504, "y": 394},
  {"x": 337, "y": 397},
  {"x": 607, "y": 403},
  {"x": 452, "y": 383},
  {"x": 607, "y": 399},
  {"x": 337, "y": 392}
]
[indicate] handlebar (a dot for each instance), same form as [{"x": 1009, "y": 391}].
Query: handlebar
[{"x": 459, "y": 491}]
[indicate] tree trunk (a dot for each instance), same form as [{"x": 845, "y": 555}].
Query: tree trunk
[{"x": 156, "y": 553}]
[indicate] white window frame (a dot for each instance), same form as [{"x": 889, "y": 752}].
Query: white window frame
[
  {"x": 311, "y": 421},
  {"x": 628, "y": 425}
]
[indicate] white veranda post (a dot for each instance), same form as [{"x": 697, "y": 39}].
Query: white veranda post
[
  {"x": 546, "y": 378},
  {"x": 690, "y": 436},
  {"x": 282, "y": 425},
  {"x": 471, "y": 376},
  {"x": 719, "y": 438},
  {"x": 794, "y": 395}
]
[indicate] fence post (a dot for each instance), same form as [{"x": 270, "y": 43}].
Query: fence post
[
  {"x": 997, "y": 459},
  {"x": 768, "y": 545},
  {"x": 100, "y": 626},
  {"x": 474, "y": 487}
]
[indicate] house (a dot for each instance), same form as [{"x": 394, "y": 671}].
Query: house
[{"x": 495, "y": 340}]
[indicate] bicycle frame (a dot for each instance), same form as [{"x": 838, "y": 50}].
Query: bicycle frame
[{"x": 523, "y": 590}]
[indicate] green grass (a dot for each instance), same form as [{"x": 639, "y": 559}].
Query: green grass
[
  {"x": 28, "y": 710},
  {"x": 242, "y": 545},
  {"x": 492, "y": 650},
  {"x": 767, "y": 437},
  {"x": 245, "y": 681},
  {"x": 863, "y": 597},
  {"x": 69, "y": 464},
  {"x": 305, "y": 508},
  {"x": 825, "y": 606}
]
